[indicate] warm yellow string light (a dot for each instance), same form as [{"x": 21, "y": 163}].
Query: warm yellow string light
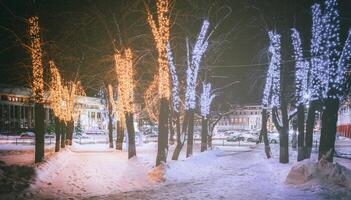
[
  {"x": 151, "y": 100},
  {"x": 62, "y": 98},
  {"x": 161, "y": 35},
  {"x": 124, "y": 71},
  {"x": 56, "y": 91},
  {"x": 36, "y": 54}
]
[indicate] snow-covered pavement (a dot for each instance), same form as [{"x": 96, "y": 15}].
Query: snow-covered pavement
[{"x": 91, "y": 172}]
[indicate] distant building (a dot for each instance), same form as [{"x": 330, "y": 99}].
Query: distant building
[
  {"x": 17, "y": 111},
  {"x": 243, "y": 118},
  {"x": 344, "y": 119}
]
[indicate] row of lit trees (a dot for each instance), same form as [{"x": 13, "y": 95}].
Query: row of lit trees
[
  {"x": 60, "y": 97},
  {"x": 320, "y": 84}
]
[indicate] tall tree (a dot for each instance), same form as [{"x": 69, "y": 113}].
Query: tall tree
[
  {"x": 301, "y": 78},
  {"x": 205, "y": 104},
  {"x": 175, "y": 95},
  {"x": 193, "y": 66},
  {"x": 37, "y": 87},
  {"x": 124, "y": 71},
  {"x": 279, "y": 97},
  {"x": 160, "y": 32},
  {"x": 335, "y": 64}
]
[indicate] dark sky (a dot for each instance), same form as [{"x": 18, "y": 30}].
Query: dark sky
[{"x": 79, "y": 36}]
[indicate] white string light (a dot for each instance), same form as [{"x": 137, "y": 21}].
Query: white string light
[
  {"x": 193, "y": 66},
  {"x": 301, "y": 71},
  {"x": 206, "y": 99},
  {"x": 175, "y": 81},
  {"x": 275, "y": 62}
]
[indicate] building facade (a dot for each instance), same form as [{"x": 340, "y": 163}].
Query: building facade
[
  {"x": 344, "y": 119},
  {"x": 17, "y": 112},
  {"x": 243, "y": 118}
]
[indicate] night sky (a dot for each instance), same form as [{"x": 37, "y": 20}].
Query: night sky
[{"x": 80, "y": 37}]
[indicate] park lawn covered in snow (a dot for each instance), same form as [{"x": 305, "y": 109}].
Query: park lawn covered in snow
[{"x": 90, "y": 172}]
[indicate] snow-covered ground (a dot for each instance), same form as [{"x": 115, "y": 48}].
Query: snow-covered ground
[
  {"x": 96, "y": 172},
  {"x": 93, "y": 171}
]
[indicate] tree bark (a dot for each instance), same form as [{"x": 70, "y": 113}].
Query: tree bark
[
  {"x": 39, "y": 111},
  {"x": 263, "y": 133},
  {"x": 301, "y": 132},
  {"x": 310, "y": 122},
  {"x": 171, "y": 128},
  {"x": 70, "y": 130},
  {"x": 283, "y": 132},
  {"x": 328, "y": 130},
  {"x": 162, "y": 140},
  {"x": 131, "y": 135},
  {"x": 190, "y": 139},
  {"x": 204, "y": 134},
  {"x": 110, "y": 136},
  {"x": 120, "y": 135},
  {"x": 63, "y": 134},
  {"x": 57, "y": 133},
  {"x": 294, "y": 136},
  {"x": 180, "y": 143}
]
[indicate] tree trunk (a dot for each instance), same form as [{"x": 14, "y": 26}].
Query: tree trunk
[
  {"x": 294, "y": 136},
  {"x": 204, "y": 134},
  {"x": 63, "y": 134},
  {"x": 162, "y": 140},
  {"x": 39, "y": 132},
  {"x": 180, "y": 144},
  {"x": 328, "y": 130},
  {"x": 263, "y": 133},
  {"x": 310, "y": 122},
  {"x": 120, "y": 135},
  {"x": 57, "y": 133},
  {"x": 301, "y": 132},
  {"x": 171, "y": 129},
  {"x": 110, "y": 137},
  {"x": 190, "y": 140},
  {"x": 283, "y": 132},
  {"x": 70, "y": 130},
  {"x": 131, "y": 135}
]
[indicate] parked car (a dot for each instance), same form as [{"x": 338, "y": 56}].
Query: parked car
[
  {"x": 233, "y": 138},
  {"x": 252, "y": 138},
  {"x": 27, "y": 135},
  {"x": 273, "y": 138}
]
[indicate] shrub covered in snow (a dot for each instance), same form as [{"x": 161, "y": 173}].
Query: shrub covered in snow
[{"x": 322, "y": 171}]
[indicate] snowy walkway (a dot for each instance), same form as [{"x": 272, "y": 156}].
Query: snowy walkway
[{"x": 230, "y": 173}]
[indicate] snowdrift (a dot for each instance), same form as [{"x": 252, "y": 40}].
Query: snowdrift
[{"x": 322, "y": 171}]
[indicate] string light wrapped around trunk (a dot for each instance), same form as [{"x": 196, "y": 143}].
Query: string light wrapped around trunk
[
  {"x": 194, "y": 65},
  {"x": 175, "y": 81},
  {"x": 124, "y": 70},
  {"x": 301, "y": 72},
  {"x": 36, "y": 54},
  {"x": 316, "y": 70},
  {"x": 276, "y": 64},
  {"x": 161, "y": 36},
  {"x": 206, "y": 99}
]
